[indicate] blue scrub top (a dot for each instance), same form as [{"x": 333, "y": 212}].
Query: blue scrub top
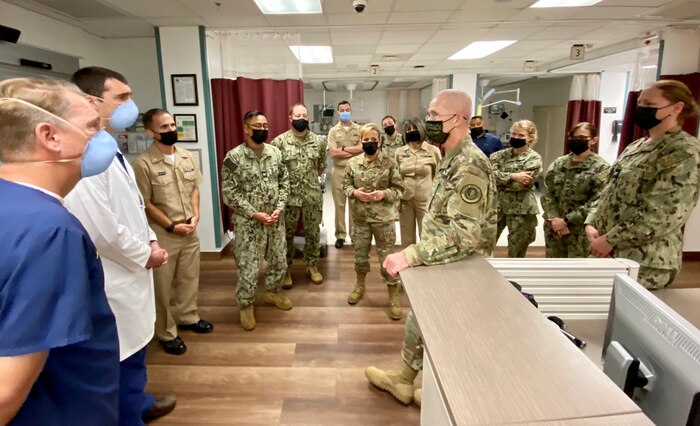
[
  {"x": 488, "y": 143},
  {"x": 52, "y": 299}
]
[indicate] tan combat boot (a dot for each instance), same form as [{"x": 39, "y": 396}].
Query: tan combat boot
[
  {"x": 418, "y": 396},
  {"x": 316, "y": 276},
  {"x": 359, "y": 290},
  {"x": 281, "y": 302},
  {"x": 287, "y": 281},
  {"x": 395, "y": 311},
  {"x": 399, "y": 382},
  {"x": 247, "y": 318}
]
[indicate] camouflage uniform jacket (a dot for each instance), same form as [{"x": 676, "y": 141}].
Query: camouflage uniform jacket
[
  {"x": 571, "y": 187},
  {"x": 651, "y": 190},
  {"x": 513, "y": 197},
  {"x": 251, "y": 184},
  {"x": 462, "y": 214},
  {"x": 382, "y": 173},
  {"x": 389, "y": 146},
  {"x": 303, "y": 157}
]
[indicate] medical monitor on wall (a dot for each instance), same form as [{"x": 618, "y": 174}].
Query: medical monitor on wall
[{"x": 653, "y": 354}]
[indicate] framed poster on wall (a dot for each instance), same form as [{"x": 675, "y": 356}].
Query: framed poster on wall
[
  {"x": 186, "y": 127},
  {"x": 184, "y": 89}
]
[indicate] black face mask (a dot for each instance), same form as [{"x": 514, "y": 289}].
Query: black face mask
[
  {"x": 577, "y": 145},
  {"x": 389, "y": 130},
  {"x": 433, "y": 128},
  {"x": 168, "y": 138},
  {"x": 370, "y": 148},
  {"x": 259, "y": 136},
  {"x": 517, "y": 142},
  {"x": 645, "y": 117},
  {"x": 413, "y": 136},
  {"x": 300, "y": 125},
  {"x": 475, "y": 132}
]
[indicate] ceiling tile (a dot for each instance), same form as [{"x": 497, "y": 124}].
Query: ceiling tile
[
  {"x": 398, "y": 37},
  {"x": 366, "y": 18},
  {"x": 496, "y": 5},
  {"x": 608, "y": 13},
  {"x": 387, "y": 49},
  {"x": 351, "y": 37},
  {"x": 345, "y": 7},
  {"x": 118, "y": 27},
  {"x": 487, "y": 16},
  {"x": 418, "y": 17},
  {"x": 530, "y": 15},
  {"x": 423, "y": 6}
]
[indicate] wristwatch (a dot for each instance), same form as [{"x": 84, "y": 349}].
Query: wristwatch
[{"x": 170, "y": 227}]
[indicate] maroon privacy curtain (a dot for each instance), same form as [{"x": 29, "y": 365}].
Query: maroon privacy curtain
[
  {"x": 693, "y": 83},
  {"x": 630, "y": 132},
  {"x": 231, "y": 99},
  {"x": 579, "y": 111}
]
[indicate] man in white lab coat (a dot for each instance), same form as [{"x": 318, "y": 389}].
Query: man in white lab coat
[{"x": 111, "y": 209}]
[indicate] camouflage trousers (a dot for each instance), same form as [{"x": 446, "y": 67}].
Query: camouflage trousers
[
  {"x": 254, "y": 242},
  {"x": 310, "y": 213},
  {"x": 412, "y": 351},
  {"x": 521, "y": 232},
  {"x": 573, "y": 245},
  {"x": 384, "y": 234},
  {"x": 655, "y": 278}
]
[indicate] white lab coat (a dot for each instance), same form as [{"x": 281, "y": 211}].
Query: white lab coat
[{"x": 111, "y": 209}]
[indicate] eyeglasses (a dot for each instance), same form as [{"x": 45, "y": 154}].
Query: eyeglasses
[
  {"x": 436, "y": 117},
  {"x": 259, "y": 126},
  {"x": 370, "y": 140}
]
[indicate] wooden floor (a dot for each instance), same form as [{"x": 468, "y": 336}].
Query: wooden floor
[{"x": 304, "y": 366}]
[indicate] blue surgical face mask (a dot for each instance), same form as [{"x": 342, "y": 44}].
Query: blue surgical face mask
[
  {"x": 124, "y": 115},
  {"x": 345, "y": 116},
  {"x": 99, "y": 152}
]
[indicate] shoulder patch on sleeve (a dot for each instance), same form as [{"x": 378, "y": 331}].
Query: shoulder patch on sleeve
[
  {"x": 471, "y": 193},
  {"x": 672, "y": 159},
  {"x": 230, "y": 164}
]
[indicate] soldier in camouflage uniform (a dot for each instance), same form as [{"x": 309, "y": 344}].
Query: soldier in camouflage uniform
[
  {"x": 652, "y": 188},
  {"x": 460, "y": 222},
  {"x": 255, "y": 185},
  {"x": 516, "y": 170},
  {"x": 393, "y": 140},
  {"x": 373, "y": 184},
  {"x": 572, "y": 184},
  {"x": 304, "y": 155}
]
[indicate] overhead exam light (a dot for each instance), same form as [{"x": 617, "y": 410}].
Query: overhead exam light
[
  {"x": 507, "y": 101},
  {"x": 488, "y": 94}
]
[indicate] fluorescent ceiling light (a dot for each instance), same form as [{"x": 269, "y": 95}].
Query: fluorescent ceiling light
[
  {"x": 313, "y": 54},
  {"x": 565, "y": 3},
  {"x": 648, "y": 66},
  {"x": 481, "y": 49},
  {"x": 287, "y": 7}
]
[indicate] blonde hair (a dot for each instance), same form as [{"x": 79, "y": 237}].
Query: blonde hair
[
  {"x": 370, "y": 127},
  {"x": 676, "y": 91},
  {"x": 18, "y": 122},
  {"x": 529, "y": 128}
]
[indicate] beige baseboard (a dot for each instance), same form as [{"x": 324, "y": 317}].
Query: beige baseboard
[{"x": 213, "y": 255}]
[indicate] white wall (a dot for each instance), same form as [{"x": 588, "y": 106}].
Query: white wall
[
  {"x": 612, "y": 94},
  {"x": 181, "y": 55},
  {"x": 135, "y": 58},
  {"x": 536, "y": 92},
  {"x": 467, "y": 84},
  {"x": 367, "y": 107}
]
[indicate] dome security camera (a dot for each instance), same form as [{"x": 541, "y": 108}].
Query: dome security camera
[{"x": 359, "y": 5}]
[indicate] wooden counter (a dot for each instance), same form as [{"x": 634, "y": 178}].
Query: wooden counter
[{"x": 496, "y": 359}]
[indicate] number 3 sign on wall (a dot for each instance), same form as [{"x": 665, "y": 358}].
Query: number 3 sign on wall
[{"x": 578, "y": 52}]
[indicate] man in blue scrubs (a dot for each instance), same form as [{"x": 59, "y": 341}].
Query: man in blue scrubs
[
  {"x": 59, "y": 354},
  {"x": 486, "y": 142}
]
